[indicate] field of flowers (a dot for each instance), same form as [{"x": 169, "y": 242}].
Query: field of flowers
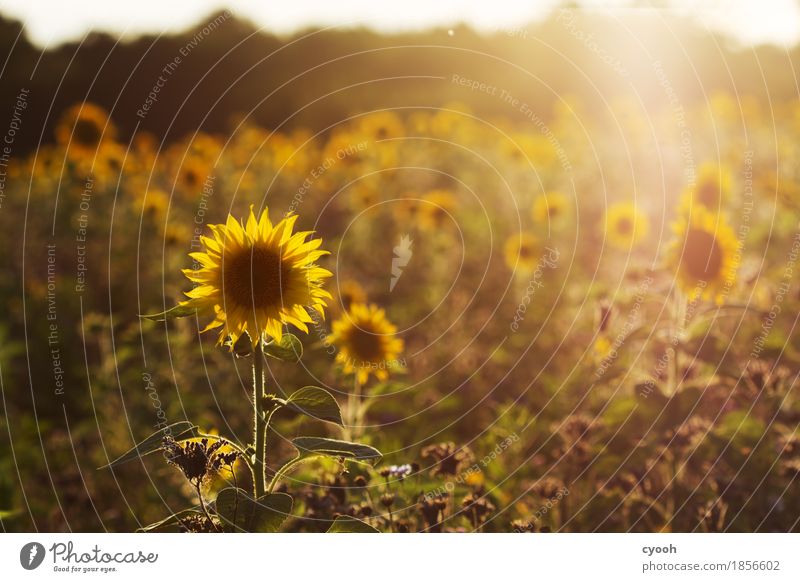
[{"x": 418, "y": 319}]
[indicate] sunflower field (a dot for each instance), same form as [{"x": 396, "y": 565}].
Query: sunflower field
[{"x": 418, "y": 318}]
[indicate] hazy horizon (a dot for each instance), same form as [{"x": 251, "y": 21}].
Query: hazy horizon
[{"x": 54, "y": 24}]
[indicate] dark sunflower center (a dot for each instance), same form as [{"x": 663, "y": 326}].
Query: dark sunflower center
[
  {"x": 702, "y": 257},
  {"x": 365, "y": 344},
  {"x": 553, "y": 211},
  {"x": 255, "y": 278},
  {"x": 525, "y": 252},
  {"x": 191, "y": 178},
  {"x": 708, "y": 194},
  {"x": 624, "y": 226},
  {"x": 87, "y": 132}
]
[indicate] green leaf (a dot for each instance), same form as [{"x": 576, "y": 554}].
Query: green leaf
[
  {"x": 155, "y": 442},
  {"x": 171, "y": 522},
  {"x": 316, "y": 446},
  {"x": 740, "y": 425},
  {"x": 317, "y": 403},
  {"x": 241, "y": 512},
  {"x": 289, "y": 349},
  {"x": 347, "y": 524},
  {"x": 174, "y": 313}
]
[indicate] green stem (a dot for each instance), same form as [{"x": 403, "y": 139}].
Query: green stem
[
  {"x": 354, "y": 415},
  {"x": 676, "y": 379},
  {"x": 260, "y": 424}
]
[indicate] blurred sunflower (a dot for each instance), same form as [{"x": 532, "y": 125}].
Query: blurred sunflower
[
  {"x": 521, "y": 252},
  {"x": 625, "y": 225},
  {"x": 362, "y": 196},
  {"x": 177, "y": 233},
  {"x": 367, "y": 342},
  {"x": 191, "y": 176},
  {"x": 256, "y": 277},
  {"x": 703, "y": 254},
  {"x": 712, "y": 188},
  {"x": 380, "y": 125},
  {"x": 351, "y": 292},
  {"x": 406, "y": 208},
  {"x": 551, "y": 207},
  {"x": 83, "y": 127},
  {"x": 154, "y": 203},
  {"x": 437, "y": 209}
]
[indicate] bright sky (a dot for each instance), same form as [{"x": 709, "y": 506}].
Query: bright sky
[{"x": 50, "y": 22}]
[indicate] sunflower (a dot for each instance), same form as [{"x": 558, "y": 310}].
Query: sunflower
[
  {"x": 405, "y": 209},
  {"x": 625, "y": 225},
  {"x": 703, "y": 255},
  {"x": 367, "y": 342},
  {"x": 522, "y": 252},
  {"x": 380, "y": 125},
  {"x": 712, "y": 188},
  {"x": 83, "y": 128},
  {"x": 362, "y": 196},
  {"x": 436, "y": 209},
  {"x": 192, "y": 174},
  {"x": 552, "y": 207},
  {"x": 351, "y": 292},
  {"x": 255, "y": 277},
  {"x": 154, "y": 203}
]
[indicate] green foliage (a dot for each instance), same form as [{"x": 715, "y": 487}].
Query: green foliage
[
  {"x": 348, "y": 524},
  {"x": 240, "y": 512}
]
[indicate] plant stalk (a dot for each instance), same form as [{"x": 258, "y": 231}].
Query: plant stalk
[{"x": 260, "y": 424}]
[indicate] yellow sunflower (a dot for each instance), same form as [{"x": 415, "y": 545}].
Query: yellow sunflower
[
  {"x": 192, "y": 175},
  {"x": 625, "y": 225},
  {"x": 703, "y": 255},
  {"x": 351, "y": 292},
  {"x": 406, "y": 208},
  {"x": 83, "y": 127},
  {"x": 712, "y": 189},
  {"x": 154, "y": 203},
  {"x": 437, "y": 209},
  {"x": 552, "y": 207},
  {"x": 521, "y": 252},
  {"x": 367, "y": 342},
  {"x": 380, "y": 125},
  {"x": 362, "y": 196},
  {"x": 255, "y": 277}
]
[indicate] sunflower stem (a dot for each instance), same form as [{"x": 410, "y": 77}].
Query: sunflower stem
[
  {"x": 676, "y": 379},
  {"x": 260, "y": 424},
  {"x": 354, "y": 415}
]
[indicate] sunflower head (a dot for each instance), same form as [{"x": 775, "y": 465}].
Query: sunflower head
[
  {"x": 703, "y": 254},
  {"x": 712, "y": 188},
  {"x": 625, "y": 225},
  {"x": 362, "y": 196},
  {"x": 407, "y": 208},
  {"x": 550, "y": 208},
  {"x": 381, "y": 125},
  {"x": 351, "y": 292},
  {"x": 154, "y": 203},
  {"x": 256, "y": 276},
  {"x": 192, "y": 174},
  {"x": 521, "y": 252},
  {"x": 436, "y": 209},
  {"x": 84, "y": 127},
  {"x": 367, "y": 342}
]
